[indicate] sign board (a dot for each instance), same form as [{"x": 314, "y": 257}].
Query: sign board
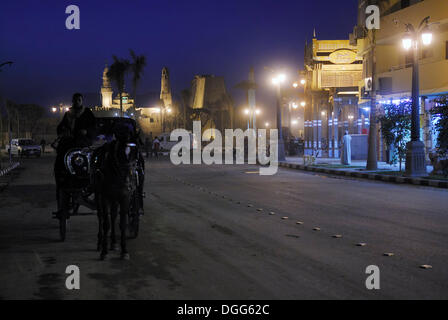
[{"x": 343, "y": 56}]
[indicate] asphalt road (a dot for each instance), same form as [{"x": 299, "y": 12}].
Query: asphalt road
[{"x": 203, "y": 237}]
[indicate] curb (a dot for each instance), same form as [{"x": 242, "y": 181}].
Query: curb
[
  {"x": 9, "y": 169},
  {"x": 370, "y": 176}
]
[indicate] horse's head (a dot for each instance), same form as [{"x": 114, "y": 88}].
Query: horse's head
[{"x": 123, "y": 156}]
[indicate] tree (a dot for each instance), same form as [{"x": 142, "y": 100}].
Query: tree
[
  {"x": 117, "y": 73},
  {"x": 440, "y": 111},
  {"x": 396, "y": 129},
  {"x": 137, "y": 66}
]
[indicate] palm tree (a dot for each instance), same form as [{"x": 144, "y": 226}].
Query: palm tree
[
  {"x": 117, "y": 73},
  {"x": 137, "y": 66}
]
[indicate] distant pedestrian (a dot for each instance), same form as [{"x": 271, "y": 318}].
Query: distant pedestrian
[
  {"x": 43, "y": 143},
  {"x": 156, "y": 147},
  {"x": 346, "y": 155}
]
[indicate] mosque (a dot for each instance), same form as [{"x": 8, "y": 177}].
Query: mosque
[{"x": 107, "y": 100}]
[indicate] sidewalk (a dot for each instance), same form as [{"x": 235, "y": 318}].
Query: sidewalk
[{"x": 385, "y": 172}]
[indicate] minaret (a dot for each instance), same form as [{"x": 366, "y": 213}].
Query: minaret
[
  {"x": 165, "y": 89},
  {"x": 106, "y": 91},
  {"x": 251, "y": 98}
]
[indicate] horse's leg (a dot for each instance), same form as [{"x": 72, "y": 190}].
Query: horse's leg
[
  {"x": 124, "y": 208},
  {"x": 106, "y": 209},
  {"x": 113, "y": 218}
]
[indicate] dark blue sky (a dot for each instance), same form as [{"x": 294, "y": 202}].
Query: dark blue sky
[{"x": 190, "y": 37}]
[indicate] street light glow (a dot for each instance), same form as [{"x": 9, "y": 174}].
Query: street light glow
[
  {"x": 54, "y": 109},
  {"x": 407, "y": 42},
  {"x": 294, "y": 105},
  {"x": 294, "y": 122},
  {"x": 267, "y": 124},
  {"x": 246, "y": 111},
  {"x": 295, "y": 85},
  {"x": 302, "y": 82},
  {"x": 258, "y": 111},
  {"x": 303, "y": 103},
  {"x": 427, "y": 38},
  {"x": 281, "y": 77}
]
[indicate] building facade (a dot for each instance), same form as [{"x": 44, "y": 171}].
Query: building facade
[
  {"x": 333, "y": 70},
  {"x": 209, "y": 92},
  {"x": 392, "y": 70}
]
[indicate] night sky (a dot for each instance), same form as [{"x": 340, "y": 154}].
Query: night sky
[{"x": 190, "y": 37}]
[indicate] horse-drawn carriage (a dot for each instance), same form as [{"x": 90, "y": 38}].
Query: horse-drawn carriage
[{"x": 104, "y": 177}]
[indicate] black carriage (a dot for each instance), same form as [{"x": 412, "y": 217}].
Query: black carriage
[{"x": 78, "y": 177}]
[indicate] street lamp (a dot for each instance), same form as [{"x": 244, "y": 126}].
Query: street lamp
[
  {"x": 247, "y": 112},
  {"x": 277, "y": 81},
  {"x": 61, "y": 109},
  {"x": 415, "y": 149},
  {"x": 251, "y": 114}
]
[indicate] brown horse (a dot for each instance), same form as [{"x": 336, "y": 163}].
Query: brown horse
[{"x": 116, "y": 180}]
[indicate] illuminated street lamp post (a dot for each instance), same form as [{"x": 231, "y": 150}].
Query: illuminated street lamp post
[
  {"x": 281, "y": 144},
  {"x": 60, "y": 109},
  {"x": 251, "y": 116},
  {"x": 415, "y": 153}
]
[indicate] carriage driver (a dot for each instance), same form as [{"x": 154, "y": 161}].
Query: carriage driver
[{"x": 77, "y": 129}]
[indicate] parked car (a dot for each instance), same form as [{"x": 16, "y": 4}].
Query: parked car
[{"x": 24, "y": 147}]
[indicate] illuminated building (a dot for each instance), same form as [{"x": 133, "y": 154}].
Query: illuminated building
[
  {"x": 333, "y": 70},
  {"x": 393, "y": 72}
]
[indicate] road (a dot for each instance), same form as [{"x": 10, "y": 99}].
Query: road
[{"x": 209, "y": 233}]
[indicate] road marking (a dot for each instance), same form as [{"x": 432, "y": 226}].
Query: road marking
[
  {"x": 426, "y": 266},
  {"x": 361, "y": 244},
  {"x": 388, "y": 254},
  {"x": 299, "y": 222},
  {"x": 285, "y": 218},
  {"x": 316, "y": 229},
  {"x": 337, "y": 236}
]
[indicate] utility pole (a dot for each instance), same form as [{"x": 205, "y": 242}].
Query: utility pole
[{"x": 372, "y": 157}]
